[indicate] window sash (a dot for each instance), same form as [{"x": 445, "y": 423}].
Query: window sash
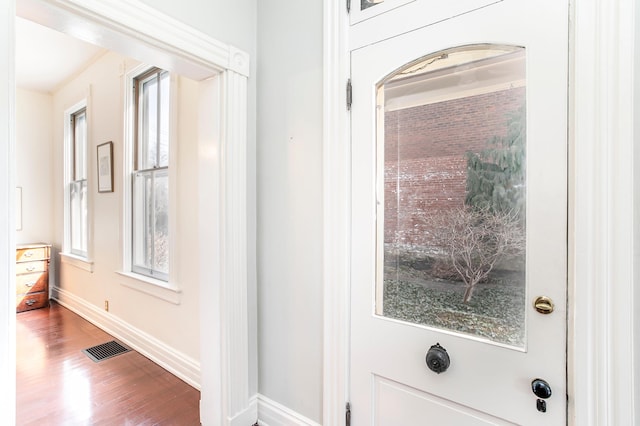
[
  {"x": 77, "y": 239},
  {"x": 78, "y": 217},
  {"x": 152, "y": 120},
  {"x": 150, "y": 176},
  {"x": 79, "y": 145},
  {"x": 150, "y": 224}
]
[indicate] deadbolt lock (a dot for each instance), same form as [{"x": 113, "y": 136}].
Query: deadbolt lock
[
  {"x": 543, "y": 305},
  {"x": 542, "y": 390}
]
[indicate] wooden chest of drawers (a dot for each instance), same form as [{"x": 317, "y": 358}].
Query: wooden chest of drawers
[{"x": 32, "y": 276}]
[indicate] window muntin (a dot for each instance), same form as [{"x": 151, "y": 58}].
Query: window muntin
[
  {"x": 150, "y": 176},
  {"x": 78, "y": 208}
]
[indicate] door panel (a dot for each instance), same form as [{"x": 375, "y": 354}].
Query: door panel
[
  {"x": 489, "y": 378},
  {"x": 398, "y": 404}
]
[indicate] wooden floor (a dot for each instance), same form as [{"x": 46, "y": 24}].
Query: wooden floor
[{"x": 57, "y": 384}]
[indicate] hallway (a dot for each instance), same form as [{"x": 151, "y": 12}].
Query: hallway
[{"x": 58, "y": 384}]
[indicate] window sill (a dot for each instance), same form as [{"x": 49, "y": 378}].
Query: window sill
[
  {"x": 152, "y": 287},
  {"x": 77, "y": 261}
]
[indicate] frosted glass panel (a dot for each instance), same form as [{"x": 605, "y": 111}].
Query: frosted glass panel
[{"x": 451, "y": 190}]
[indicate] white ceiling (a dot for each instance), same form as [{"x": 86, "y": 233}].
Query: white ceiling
[{"x": 46, "y": 58}]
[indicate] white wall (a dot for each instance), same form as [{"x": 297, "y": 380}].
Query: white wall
[
  {"x": 290, "y": 204},
  {"x": 232, "y": 22},
  {"x": 175, "y": 325},
  {"x": 34, "y": 127}
]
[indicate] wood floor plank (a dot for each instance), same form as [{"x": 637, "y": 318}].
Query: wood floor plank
[{"x": 57, "y": 384}]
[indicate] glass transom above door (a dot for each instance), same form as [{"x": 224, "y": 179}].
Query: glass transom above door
[
  {"x": 365, "y": 4},
  {"x": 451, "y": 190},
  {"x": 383, "y": 18},
  {"x": 365, "y": 9}
]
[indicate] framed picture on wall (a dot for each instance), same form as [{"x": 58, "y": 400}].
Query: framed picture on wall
[{"x": 105, "y": 167}]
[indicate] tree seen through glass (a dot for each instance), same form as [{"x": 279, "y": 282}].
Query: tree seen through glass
[{"x": 454, "y": 185}]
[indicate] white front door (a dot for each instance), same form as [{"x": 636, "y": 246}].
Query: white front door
[{"x": 459, "y": 221}]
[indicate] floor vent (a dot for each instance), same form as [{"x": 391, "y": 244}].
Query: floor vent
[{"x": 105, "y": 351}]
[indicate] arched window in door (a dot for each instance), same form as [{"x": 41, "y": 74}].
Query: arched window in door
[{"x": 451, "y": 161}]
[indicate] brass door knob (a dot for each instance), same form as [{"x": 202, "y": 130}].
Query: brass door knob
[{"x": 543, "y": 305}]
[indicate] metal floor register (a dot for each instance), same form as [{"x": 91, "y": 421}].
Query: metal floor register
[{"x": 105, "y": 351}]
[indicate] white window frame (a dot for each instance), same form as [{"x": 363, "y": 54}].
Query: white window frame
[
  {"x": 77, "y": 259},
  {"x": 168, "y": 289}
]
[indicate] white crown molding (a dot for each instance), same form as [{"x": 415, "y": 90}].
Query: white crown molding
[
  {"x": 179, "y": 364},
  {"x": 133, "y": 18},
  {"x": 239, "y": 61}
]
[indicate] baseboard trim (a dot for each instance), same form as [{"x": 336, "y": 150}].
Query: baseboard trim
[
  {"x": 177, "y": 363},
  {"x": 272, "y": 413},
  {"x": 247, "y": 416}
]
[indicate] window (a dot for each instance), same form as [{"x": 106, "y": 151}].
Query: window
[
  {"x": 364, "y": 4},
  {"x": 150, "y": 175},
  {"x": 77, "y": 217}
]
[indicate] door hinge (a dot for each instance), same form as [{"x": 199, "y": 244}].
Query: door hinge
[
  {"x": 349, "y": 95},
  {"x": 347, "y": 417},
  {"x": 348, "y": 6}
]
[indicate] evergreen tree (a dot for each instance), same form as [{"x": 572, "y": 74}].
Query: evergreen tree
[{"x": 496, "y": 175}]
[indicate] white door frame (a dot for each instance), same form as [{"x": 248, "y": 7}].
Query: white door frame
[
  {"x": 7, "y": 216},
  {"x": 138, "y": 30},
  {"x": 604, "y": 115}
]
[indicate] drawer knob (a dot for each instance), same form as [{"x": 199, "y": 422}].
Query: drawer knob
[
  {"x": 28, "y": 253},
  {"x": 30, "y": 302},
  {"x": 31, "y": 268},
  {"x": 30, "y": 284}
]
